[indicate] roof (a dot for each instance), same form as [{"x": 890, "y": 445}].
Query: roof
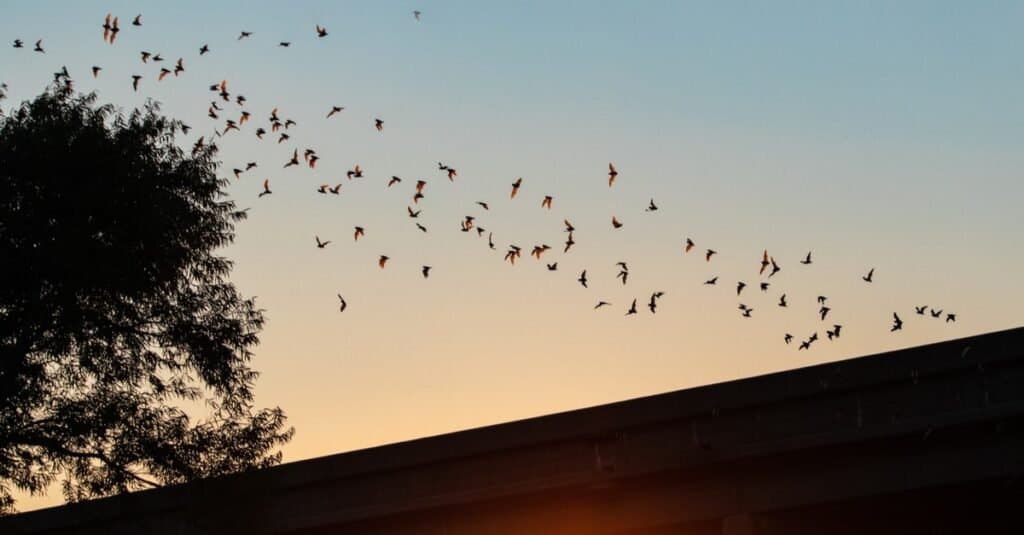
[{"x": 860, "y": 399}]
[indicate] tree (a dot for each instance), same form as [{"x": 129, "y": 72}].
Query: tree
[{"x": 118, "y": 323}]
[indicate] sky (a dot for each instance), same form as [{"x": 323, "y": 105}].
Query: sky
[{"x": 883, "y": 135}]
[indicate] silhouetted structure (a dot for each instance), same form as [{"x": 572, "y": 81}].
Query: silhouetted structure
[{"x": 921, "y": 440}]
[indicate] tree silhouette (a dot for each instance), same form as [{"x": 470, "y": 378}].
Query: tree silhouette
[{"x": 118, "y": 324}]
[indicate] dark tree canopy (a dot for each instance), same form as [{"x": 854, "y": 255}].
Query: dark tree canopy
[{"x": 118, "y": 324}]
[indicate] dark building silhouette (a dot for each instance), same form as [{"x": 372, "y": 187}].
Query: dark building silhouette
[{"x": 922, "y": 440}]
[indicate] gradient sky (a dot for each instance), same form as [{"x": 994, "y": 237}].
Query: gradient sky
[{"x": 877, "y": 134}]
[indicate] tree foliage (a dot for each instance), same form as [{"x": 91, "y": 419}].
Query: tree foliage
[{"x": 124, "y": 348}]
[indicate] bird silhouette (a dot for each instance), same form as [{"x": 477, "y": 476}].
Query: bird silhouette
[
  {"x": 546, "y": 203},
  {"x": 394, "y": 180},
  {"x": 334, "y": 111},
  {"x": 110, "y": 29},
  {"x": 336, "y": 190},
  {"x": 342, "y": 304},
  {"x": 18, "y": 43},
  {"x": 950, "y": 317},
  {"x": 39, "y": 46},
  {"x": 62, "y": 74},
  {"x": 321, "y": 31},
  {"x": 137, "y": 21},
  {"x": 568, "y": 226},
  {"x": 135, "y": 82},
  {"x": 382, "y": 260},
  {"x": 807, "y": 259},
  {"x": 764, "y": 262},
  {"x": 935, "y": 313},
  {"x": 612, "y": 173},
  {"x": 421, "y": 227},
  {"x": 416, "y": 14},
  {"x": 652, "y": 305},
  {"x": 787, "y": 338},
  {"x": 616, "y": 223},
  {"x": 823, "y": 311},
  {"x": 413, "y": 213},
  {"x": 490, "y": 240},
  {"x": 425, "y": 271},
  {"x": 764, "y": 286},
  {"x": 746, "y": 311},
  {"x": 266, "y": 188},
  {"x": 512, "y": 254},
  {"x": 552, "y": 267},
  {"x": 709, "y": 254},
  {"x": 601, "y": 304},
  {"x": 583, "y": 278},
  {"x": 775, "y": 267},
  {"x": 869, "y": 276},
  {"x": 632, "y": 309},
  {"x": 96, "y": 71},
  {"x": 294, "y": 160},
  {"x": 651, "y": 207},
  {"x": 244, "y": 35},
  {"x": 740, "y": 286},
  {"x": 569, "y": 243},
  {"x": 358, "y": 232},
  {"x": 711, "y": 281},
  {"x": 378, "y": 124},
  {"x": 782, "y": 300},
  {"x": 897, "y": 323},
  {"x": 204, "y": 49},
  {"x": 321, "y": 244},
  {"x": 689, "y": 245},
  {"x": 921, "y": 309},
  {"x": 834, "y": 333}
]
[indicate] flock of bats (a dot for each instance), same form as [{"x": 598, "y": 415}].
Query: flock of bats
[{"x": 280, "y": 127}]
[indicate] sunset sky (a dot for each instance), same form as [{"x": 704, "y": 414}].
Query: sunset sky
[{"x": 886, "y": 135}]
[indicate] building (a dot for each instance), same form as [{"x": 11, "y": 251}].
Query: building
[{"x": 923, "y": 440}]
